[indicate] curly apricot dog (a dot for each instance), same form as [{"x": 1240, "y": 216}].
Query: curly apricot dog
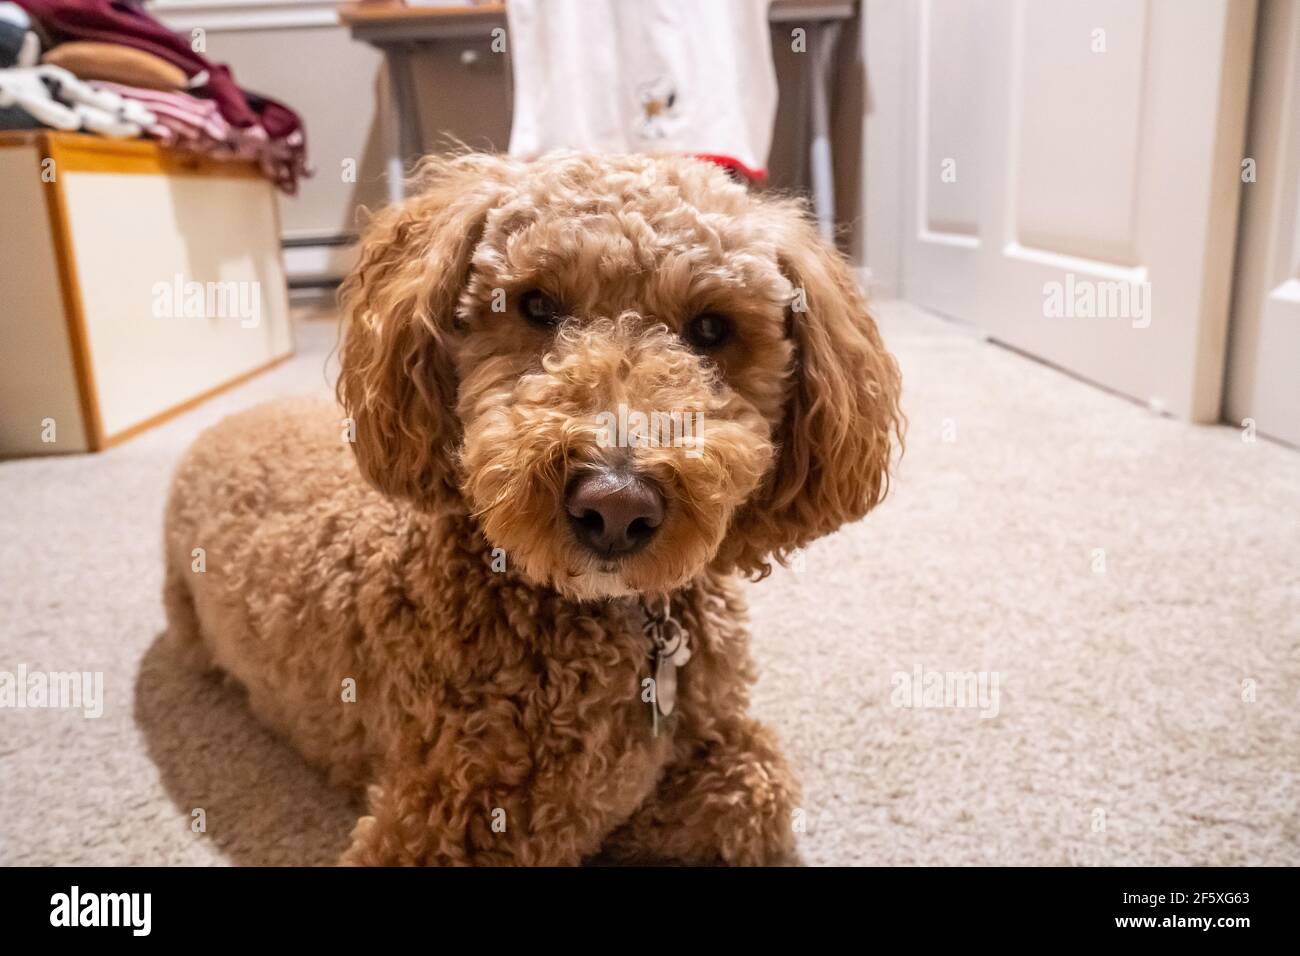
[{"x": 517, "y": 619}]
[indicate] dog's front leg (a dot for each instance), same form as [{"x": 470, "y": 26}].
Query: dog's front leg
[
  {"x": 506, "y": 816},
  {"x": 727, "y": 798}
]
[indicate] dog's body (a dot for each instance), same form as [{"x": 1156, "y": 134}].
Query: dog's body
[
  {"x": 477, "y": 691},
  {"x": 431, "y": 624}
]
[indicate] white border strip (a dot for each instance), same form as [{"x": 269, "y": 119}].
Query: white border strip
[{"x": 225, "y": 16}]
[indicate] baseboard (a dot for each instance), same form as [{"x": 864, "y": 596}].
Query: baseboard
[
  {"x": 877, "y": 288},
  {"x": 318, "y": 263}
]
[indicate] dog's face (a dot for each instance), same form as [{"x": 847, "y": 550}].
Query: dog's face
[{"x": 627, "y": 368}]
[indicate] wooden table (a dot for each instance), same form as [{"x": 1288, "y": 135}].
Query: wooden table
[{"x": 399, "y": 31}]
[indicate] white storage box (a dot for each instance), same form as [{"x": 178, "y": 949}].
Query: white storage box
[{"x": 134, "y": 283}]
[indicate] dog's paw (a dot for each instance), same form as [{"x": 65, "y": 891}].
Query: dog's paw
[{"x": 362, "y": 850}]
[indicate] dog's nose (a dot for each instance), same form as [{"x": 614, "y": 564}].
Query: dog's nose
[{"x": 614, "y": 513}]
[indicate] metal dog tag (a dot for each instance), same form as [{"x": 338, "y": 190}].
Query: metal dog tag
[
  {"x": 665, "y": 684},
  {"x": 670, "y": 650}
]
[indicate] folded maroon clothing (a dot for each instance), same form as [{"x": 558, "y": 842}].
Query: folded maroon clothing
[{"x": 125, "y": 22}]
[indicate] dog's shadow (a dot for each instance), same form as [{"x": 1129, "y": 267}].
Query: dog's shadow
[{"x": 262, "y": 804}]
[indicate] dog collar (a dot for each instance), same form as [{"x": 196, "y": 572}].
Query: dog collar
[{"x": 669, "y": 649}]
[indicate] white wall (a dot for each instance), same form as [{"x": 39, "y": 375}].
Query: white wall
[{"x": 296, "y": 52}]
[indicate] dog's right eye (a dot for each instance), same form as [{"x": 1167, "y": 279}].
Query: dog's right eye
[
  {"x": 707, "y": 332},
  {"x": 539, "y": 308}
]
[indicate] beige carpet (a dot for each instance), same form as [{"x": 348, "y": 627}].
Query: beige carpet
[{"x": 1121, "y": 734}]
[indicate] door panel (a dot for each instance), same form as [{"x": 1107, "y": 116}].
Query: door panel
[
  {"x": 947, "y": 207},
  {"x": 1089, "y": 143},
  {"x": 1096, "y": 187},
  {"x": 954, "y": 118}
]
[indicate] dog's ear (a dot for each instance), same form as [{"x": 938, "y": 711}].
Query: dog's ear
[
  {"x": 397, "y": 380},
  {"x": 842, "y": 419}
]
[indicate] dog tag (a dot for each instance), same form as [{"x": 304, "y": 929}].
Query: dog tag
[
  {"x": 665, "y": 685},
  {"x": 671, "y": 649}
]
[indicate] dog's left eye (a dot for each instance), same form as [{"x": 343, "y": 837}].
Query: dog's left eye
[
  {"x": 708, "y": 331},
  {"x": 539, "y": 308}
]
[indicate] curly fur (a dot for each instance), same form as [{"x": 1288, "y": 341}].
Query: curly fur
[{"x": 498, "y": 715}]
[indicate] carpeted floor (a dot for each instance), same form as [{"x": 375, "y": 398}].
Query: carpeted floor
[{"x": 1127, "y": 588}]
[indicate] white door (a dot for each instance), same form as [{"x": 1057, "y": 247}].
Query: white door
[
  {"x": 1073, "y": 176},
  {"x": 1264, "y": 366}
]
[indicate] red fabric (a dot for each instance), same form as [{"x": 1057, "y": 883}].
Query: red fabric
[{"x": 734, "y": 165}]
